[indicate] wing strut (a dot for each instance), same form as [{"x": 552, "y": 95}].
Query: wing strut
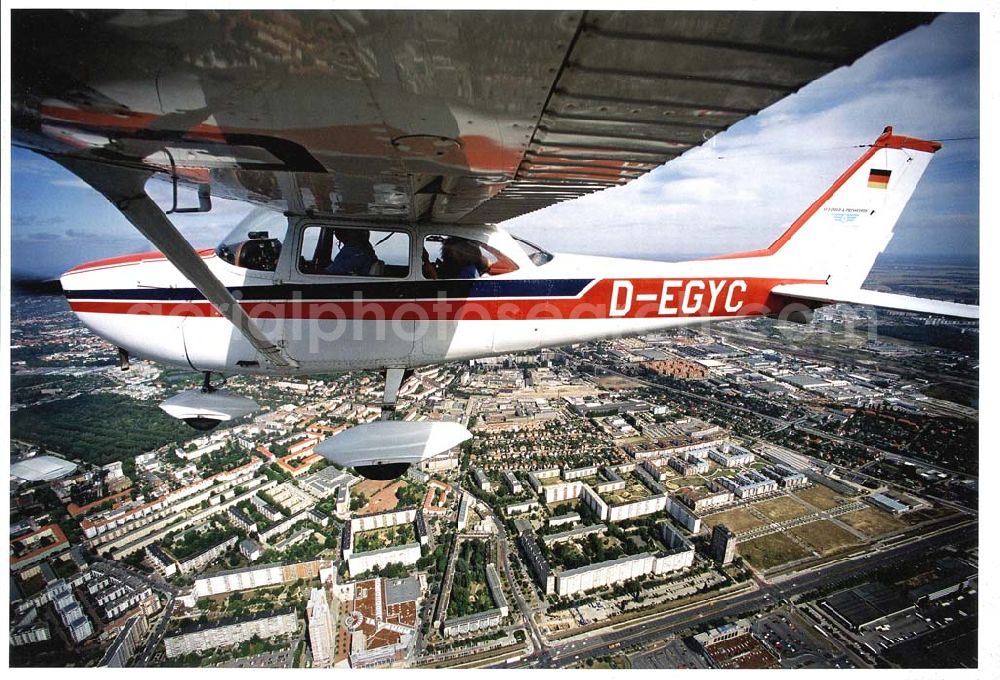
[{"x": 126, "y": 189}]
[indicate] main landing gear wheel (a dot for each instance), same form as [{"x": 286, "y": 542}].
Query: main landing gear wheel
[
  {"x": 386, "y": 448},
  {"x": 207, "y": 408}
]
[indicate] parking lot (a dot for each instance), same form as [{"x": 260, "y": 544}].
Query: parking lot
[
  {"x": 675, "y": 654},
  {"x": 797, "y": 643},
  {"x": 912, "y": 624}
]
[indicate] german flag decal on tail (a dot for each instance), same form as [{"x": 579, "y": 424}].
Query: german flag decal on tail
[{"x": 879, "y": 179}]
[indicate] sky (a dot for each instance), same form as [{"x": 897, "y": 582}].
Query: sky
[
  {"x": 743, "y": 188},
  {"x": 737, "y": 192}
]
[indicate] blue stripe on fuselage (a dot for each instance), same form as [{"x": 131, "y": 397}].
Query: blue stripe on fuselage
[{"x": 367, "y": 290}]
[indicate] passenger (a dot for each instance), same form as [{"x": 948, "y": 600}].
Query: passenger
[
  {"x": 461, "y": 259},
  {"x": 429, "y": 270},
  {"x": 356, "y": 256}
]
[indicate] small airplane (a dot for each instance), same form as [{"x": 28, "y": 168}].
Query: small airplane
[{"x": 372, "y": 247}]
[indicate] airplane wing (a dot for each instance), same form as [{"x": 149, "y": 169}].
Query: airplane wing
[{"x": 451, "y": 117}]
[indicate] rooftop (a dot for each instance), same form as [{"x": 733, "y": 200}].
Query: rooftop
[
  {"x": 400, "y": 590},
  {"x": 232, "y": 620}
]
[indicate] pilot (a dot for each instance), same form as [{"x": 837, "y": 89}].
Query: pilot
[
  {"x": 461, "y": 259},
  {"x": 356, "y": 257}
]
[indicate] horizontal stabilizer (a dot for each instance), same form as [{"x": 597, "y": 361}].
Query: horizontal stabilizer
[{"x": 858, "y": 296}]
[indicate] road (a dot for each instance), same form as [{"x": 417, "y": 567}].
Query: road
[
  {"x": 537, "y": 641},
  {"x": 570, "y": 652},
  {"x": 163, "y": 588},
  {"x": 157, "y": 634}
]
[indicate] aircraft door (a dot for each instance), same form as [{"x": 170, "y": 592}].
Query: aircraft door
[
  {"x": 348, "y": 302},
  {"x": 469, "y": 289}
]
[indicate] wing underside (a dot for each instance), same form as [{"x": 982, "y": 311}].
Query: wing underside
[{"x": 452, "y": 117}]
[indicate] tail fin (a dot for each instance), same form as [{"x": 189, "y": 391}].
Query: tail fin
[{"x": 841, "y": 234}]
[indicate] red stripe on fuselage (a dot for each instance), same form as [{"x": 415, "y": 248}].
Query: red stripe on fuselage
[
  {"x": 607, "y": 299},
  {"x": 135, "y": 258}
]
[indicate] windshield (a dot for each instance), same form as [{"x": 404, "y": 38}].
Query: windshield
[
  {"x": 537, "y": 256},
  {"x": 255, "y": 243}
]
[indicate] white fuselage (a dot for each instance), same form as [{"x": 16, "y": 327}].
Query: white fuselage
[
  {"x": 407, "y": 311},
  {"x": 340, "y": 323}
]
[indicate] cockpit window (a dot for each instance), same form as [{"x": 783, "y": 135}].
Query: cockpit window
[
  {"x": 537, "y": 256},
  {"x": 354, "y": 251},
  {"x": 457, "y": 257},
  {"x": 255, "y": 243}
]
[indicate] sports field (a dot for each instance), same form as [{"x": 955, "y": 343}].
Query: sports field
[
  {"x": 381, "y": 495},
  {"x": 825, "y": 537},
  {"x": 781, "y": 509},
  {"x": 872, "y": 522},
  {"x": 771, "y": 550},
  {"x": 821, "y": 496}
]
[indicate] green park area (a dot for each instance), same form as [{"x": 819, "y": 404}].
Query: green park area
[
  {"x": 469, "y": 592},
  {"x": 112, "y": 428},
  {"x": 634, "y": 490},
  {"x": 387, "y": 537},
  {"x": 195, "y": 541}
]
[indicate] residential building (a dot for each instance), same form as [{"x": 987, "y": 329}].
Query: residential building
[
  {"x": 206, "y": 557},
  {"x": 723, "y": 544},
  {"x": 702, "y": 499},
  {"x": 69, "y": 610},
  {"x": 787, "y": 477},
  {"x": 231, "y": 631},
  {"x": 250, "y": 549},
  {"x": 481, "y": 480},
  {"x": 730, "y": 455},
  {"x": 158, "y": 560},
  {"x": 259, "y": 576},
  {"x": 560, "y": 520},
  {"x": 126, "y": 644},
  {"x": 512, "y": 482},
  {"x": 359, "y": 563},
  {"x": 36, "y": 546},
  {"x": 321, "y": 632},
  {"x": 239, "y": 519},
  {"x": 536, "y": 560}
]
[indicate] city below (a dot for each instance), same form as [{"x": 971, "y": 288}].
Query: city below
[{"x": 751, "y": 494}]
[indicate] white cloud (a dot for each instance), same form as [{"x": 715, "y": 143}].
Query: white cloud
[{"x": 742, "y": 188}]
